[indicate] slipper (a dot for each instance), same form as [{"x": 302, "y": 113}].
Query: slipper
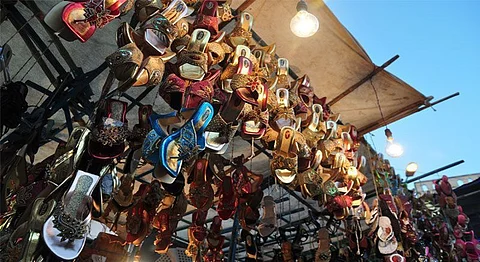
[
  {"x": 157, "y": 33},
  {"x": 64, "y": 233},
  {"x": 150, "y": 72},
  {"x": 323, "y": 253},
  {"x": 227, "y": 203},
  {"x": 161, "y": 127},
  {"x": 187, "y": 141},
  {"x": 145, "y": 9},
  {"x": 198, "y": 230},
  {"x": 241, "y": 34},
  {"x": 107, "y": 140},
  {"x": 264, "y": 55},
  {"x": 254, "y": 122},
  {"x": 207, "y": 17},
  {"x": 201, "y": 91},
  {"x": 232, "y": 67},
  {"x": 268, "y": 222},
  {"x": 201, "y": 191},
  {"x": 284, "y": 162},
  {"x": 172, "y": 91},
  {"x": 215, "y": 241},
  {"x": 218, "y": 134},
  {"x": 192, "y": 61},
  {"x": 283, "y": 113}
]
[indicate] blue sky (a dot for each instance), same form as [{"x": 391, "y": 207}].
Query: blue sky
[{"x": 439, "y": 47}]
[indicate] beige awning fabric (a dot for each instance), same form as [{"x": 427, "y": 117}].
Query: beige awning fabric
[{"x": 334, "y": 61}]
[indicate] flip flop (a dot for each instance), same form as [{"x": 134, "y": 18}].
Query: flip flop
[{"x": 65, "y": 232}]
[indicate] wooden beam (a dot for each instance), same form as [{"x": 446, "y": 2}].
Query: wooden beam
[
  {"x": 244, "y": 6},
  {"x": 365, "y": 79}
]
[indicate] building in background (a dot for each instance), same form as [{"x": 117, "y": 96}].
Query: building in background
[{"x": 423, "y": 187}]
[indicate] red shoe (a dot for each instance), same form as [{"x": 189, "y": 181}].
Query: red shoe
[{"x": 228, "y": 199}]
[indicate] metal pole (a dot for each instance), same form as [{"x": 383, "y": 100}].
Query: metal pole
[
  {"x": 435, "y": 171},
  {"x": 233, "y": 239}
]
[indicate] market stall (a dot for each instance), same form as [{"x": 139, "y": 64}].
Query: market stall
[{"x": 201, "y": 132}]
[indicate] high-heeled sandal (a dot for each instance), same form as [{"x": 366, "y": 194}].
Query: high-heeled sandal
[
  {"x": 201, "y": 191},
  {"x": 192, "y": 61},
  {"x": 284, "y": 162},
  {"x": 242, "y": 34},
  {"x": 71, "y": 218}
]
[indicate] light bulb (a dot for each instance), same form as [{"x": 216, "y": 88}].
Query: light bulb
[
  {"x": 303, "y": 24},
  {"x": 393, "y": 149},
  {"x": 411, "y": 169}
]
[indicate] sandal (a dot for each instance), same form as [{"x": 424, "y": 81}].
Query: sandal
[
  {"x": 264, "y": 56},
  {"x": 201, "y": 192},
  {"x": 218, "y": 134},
  {"x": 107, "y": 140},
  {"x": 254, "y": 122},
  {"x": 283, "y": 113},
  {"x": 317, "y": 129},
  {"x": 202, "y": 91},
  {"x": 71, "y": 218},
  {"x": 186, "y": 142},
  {"x": 199, "y": 232},
  {"x": 125, "y": 64},
  {"x": 268, "y": 222},
  {"x": 234, "y": 107},
  {"x": 15, "y": 177},
  {"x": 192, "y": 62},
  {"x": 207, "y": 17},
  {"x": 284, "y": 162},
  {"x": 242, "y": 34},
  {"x": 172, "y": 90},
  {"x": 227, "y": 204},
  {"x": 215, "y": 241},
  {"x": 232, "y": 68},
  {"x": 150, "y": 72},
  {"x": 160, "y": 124},
  {"x": 145, "y": 9}
]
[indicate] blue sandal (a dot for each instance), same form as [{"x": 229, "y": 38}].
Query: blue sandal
[{"x": 187, "y": 141}]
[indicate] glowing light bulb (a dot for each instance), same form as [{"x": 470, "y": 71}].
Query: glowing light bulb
[
  {"x": 304, "y": 24},
  {"x": 411, "y": 169},
  {"x": 394, "y": 149}
]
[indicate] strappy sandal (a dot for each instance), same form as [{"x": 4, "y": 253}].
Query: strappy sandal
[
  {"x": 268, "y": 222},
  {"x": 186, "y": 142},
  {"x": 227, "y": 204},
  {"x": 202, "y": 91},
  {"x": 107, "y": 140},
  {"x": 71, "y": 218},
  {"x": 284, "y": 162},
  {"x": 241, "y": 34},
  {"x": 201, "y": 191},
  {"x": 207, "y": 17},
  {"x": 192, "y": 62}
]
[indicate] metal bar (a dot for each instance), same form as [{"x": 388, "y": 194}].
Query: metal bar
[
  {"x": 365, "y": 79},
  {"x": 435, "y": 171},
  {"x": 37, "y": 40},
  {"x": 31, "y": 46},
  {"x": 133, "y": 100},
  {"x": 38, "y": 87},
  {"x": 141, "y": 96},
  {"x": 61, "y": 48},
  {"x": 233, "y": 238},
  {"x": 68, "y": 119}
]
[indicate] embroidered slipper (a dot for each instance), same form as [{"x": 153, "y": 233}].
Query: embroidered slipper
[
  {"x": 201, "y": 91},
  {"x": 107, "y": 140},
  {"x": 192, "y": 61},
  {"x": 200, "y": 193},
  {"x": 207, "y": 17},
  {"x": 65, "y": 232},
  {"x": 161, "y": 127},
  {"x": 228, "y": 201},
  {"x": 232, "y": 67},
  {"x": 187, "y": 141},
  {"x": 145, "y": 9},
  {"x": 218, "y": 134},
  {"x": 156, "y": 35},
  {"x": 150, "y": 72},
  {"x": 241, "y": 34},
  {"x": 284, "y": 162}
]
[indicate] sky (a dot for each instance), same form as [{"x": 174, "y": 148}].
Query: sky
[{"x": 439, "y": 47}]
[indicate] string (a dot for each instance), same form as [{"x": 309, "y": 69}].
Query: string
[{"x": 378, "y": 102}]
